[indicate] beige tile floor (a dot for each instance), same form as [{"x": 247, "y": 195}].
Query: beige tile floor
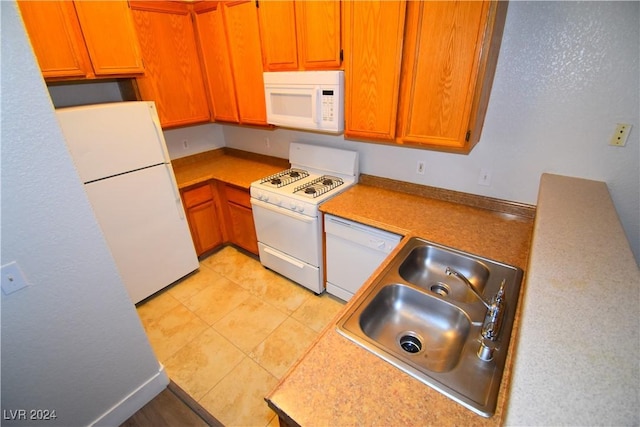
[{"x": 228, "y": 333}]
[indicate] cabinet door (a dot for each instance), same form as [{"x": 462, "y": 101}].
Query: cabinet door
[
  {"x": 278, "y": 34},
  {"x": 318, "y": 25},
  {"x": 204, "y": 227},
  {"x": 203, "y": 217},
  {"x": 241, "y": 227},
  {"x": 173, "y": 75},
  {"x": 216, "y": 61},
  {"x": 300, "y": 35},
  {"x": 56, "y": 38},
  {"x": 445, "y": 84},
  {"x": 373, "y": 53},
  {"x": 107, "y": 27},
  {"x": 243, "y": 35}
]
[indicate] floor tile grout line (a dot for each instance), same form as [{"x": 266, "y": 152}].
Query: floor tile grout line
[
  {"x": 246, "y": 355},
  {"x": 257, "y": 295}
]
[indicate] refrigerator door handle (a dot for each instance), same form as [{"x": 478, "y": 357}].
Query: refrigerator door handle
[
  {"x": 176, "y": 192},
  {"x": 158, "y": 128}
]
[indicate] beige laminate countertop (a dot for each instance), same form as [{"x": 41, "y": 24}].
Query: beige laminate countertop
[
  {"x": 337, "y": 382},
  {"x": 577, "y": 326},
  {"x": 230, "y": 166},
  {"x": 578, "y": 357}
]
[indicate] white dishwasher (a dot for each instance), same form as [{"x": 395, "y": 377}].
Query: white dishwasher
[{"x": 353, "y": 252}]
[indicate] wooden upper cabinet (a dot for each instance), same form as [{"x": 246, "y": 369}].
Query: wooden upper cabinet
[
  {"x": 243, "y": 37},
  {"x": 450, "y": 55},
  {"x": 278, "y": 33},
  {"x": 216, "y": 61},
  {"x": 229, "y": 38},
  {"x": 300, "y": 35},
  {"x": 111, "y": 39},
  {"x": 173, "y": 75},
  {"x": 318, "y": 25},
  {"x": 82, "y": 39},
  {"x": 373, "y": 53}
]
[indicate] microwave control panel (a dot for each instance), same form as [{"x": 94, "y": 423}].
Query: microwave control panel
[{"x": 328, "y": 103}]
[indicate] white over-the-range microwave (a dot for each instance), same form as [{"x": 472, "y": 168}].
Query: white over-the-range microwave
[{"x": 310, "y": 100}]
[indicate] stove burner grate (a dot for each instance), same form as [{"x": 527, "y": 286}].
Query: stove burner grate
[
  {"x": 285, "y": 177},
  {"x": 319, "y": 186}
]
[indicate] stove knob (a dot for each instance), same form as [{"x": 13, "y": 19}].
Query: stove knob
[
  {"x": 300, "y": 208},
  {"x": 292, "y": 206},
  {"x": 265, "y": 197},
  {"x": 277, "y": 201}
]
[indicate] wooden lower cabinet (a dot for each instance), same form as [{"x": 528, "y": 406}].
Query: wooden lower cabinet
[
  {"x": 203, "y": 217},
  {"x": 219, "y": 213},
  {"x": 242, "y": 231}
]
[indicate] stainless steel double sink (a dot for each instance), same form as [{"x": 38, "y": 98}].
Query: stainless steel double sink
[{"x": 429, "y": 324}]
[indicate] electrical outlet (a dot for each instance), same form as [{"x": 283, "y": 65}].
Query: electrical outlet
[
  {"x": 12, "y": 278},
  {"x": 485, "y": 177},
  {"x": 267, "y": 143},
  {"x": 185, "y": 144},
  {"x": 619, "y": 137},
  {"x": 420, "y": 167}
]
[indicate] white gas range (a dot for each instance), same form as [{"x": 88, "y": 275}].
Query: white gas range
[{"x": 286, "y": 215}]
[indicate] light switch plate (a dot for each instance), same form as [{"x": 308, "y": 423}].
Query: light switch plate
[{"x": 12, "y": 278}]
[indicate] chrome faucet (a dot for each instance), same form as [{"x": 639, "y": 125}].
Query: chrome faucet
[
  {"x": 495, "y": 307},
  {"x": 451, "y": 272}
]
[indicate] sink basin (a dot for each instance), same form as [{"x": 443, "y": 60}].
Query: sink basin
[
  {"x": 425, "y": 265},
  {"x": 414, "y": 324},
  {"x": 429, "y": 324}
]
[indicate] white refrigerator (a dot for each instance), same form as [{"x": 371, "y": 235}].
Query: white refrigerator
[{"x": 121, "y": 157}]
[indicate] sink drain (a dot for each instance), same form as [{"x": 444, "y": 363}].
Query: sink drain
[
  {"x": 440, "y": 289},
  {"x": 410, "y": 343}
]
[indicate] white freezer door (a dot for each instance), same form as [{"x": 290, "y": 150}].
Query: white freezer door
[
  {"x": 143, "y": 221},
  {"x": 109, "y": 139}
]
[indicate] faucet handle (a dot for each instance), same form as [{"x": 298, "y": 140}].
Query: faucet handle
[{"x": 500, "y": 294}]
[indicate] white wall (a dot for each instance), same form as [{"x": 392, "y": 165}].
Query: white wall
[
  {"x": 567, "y": 73},
  {"x": 182, "y": 142},
  {"x": 72, "y": 341}
]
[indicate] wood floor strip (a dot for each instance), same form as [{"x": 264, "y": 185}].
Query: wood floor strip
[{"x": 172, "y": 407}]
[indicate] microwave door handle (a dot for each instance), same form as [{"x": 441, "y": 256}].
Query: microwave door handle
[{"x": 317, "y": 105}]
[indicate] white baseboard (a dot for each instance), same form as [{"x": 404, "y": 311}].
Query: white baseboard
[{"x": 128, "y": 406}]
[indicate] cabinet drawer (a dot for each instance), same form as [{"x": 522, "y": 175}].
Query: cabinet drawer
[
  {"x": 197, "y": 195},
  {"x": 238, "y": 196}
]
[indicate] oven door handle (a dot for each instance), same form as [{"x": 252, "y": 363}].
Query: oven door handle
[
  {"x": 290, "y": 260},
  {"x": 283, "y": 211}
]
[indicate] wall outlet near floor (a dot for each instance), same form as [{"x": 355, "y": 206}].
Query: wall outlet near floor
[
  {"x": 185, "y": 144},
  {"x": 485, "y": 177},
  {"x": 420, "y": 167},
  {"x": 620, "y": 135}
]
